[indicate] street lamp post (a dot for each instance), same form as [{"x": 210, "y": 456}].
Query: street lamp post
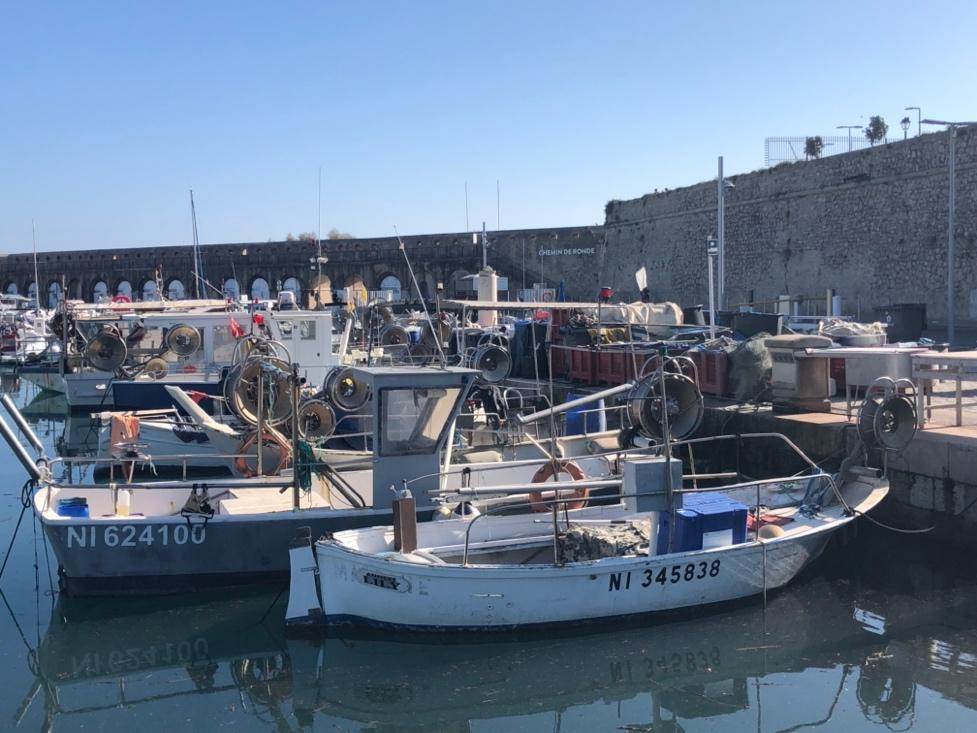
[
  {"x": 951, "y": 221},
  {"x": 722, "y": 185},
  {"x": 849, "y": 128},
  {"x": 919, "y": 119},
  {"x": 904, "y": 124}
]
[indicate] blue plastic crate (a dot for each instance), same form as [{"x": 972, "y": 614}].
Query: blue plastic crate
[
  {"x": 701, "y": 516},
  {"x": 75, "y": 506}
]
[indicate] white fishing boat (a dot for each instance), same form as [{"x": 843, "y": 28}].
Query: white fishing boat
[
  {"x": 506, "y": 572},
  {"x": 128, "y": 358},
  {"x": 152, "y": 537}
]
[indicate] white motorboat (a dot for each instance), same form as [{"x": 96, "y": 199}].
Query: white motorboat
[{"x": 506, "y": 572}]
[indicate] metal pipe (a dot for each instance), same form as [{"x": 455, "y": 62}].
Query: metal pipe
[
  {"x": 523, "y": 419},
  {"x": 21, "y": 422},
  {"x": 721, "y": 226},
  {"x": 531, "y": 486},
  {"x": 19, "y": 451},
  {"x": 951, "y": 241},
  {"x": 296, "y": 488}
]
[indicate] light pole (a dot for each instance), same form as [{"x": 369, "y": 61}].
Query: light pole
[
  {"x": 849, "y": 128},
  {"x": 904, "y": 124},
  {"x": 722, "y": 185},
  {"x": 951, "y": 221},
  {"x": 919, "y": 118}
]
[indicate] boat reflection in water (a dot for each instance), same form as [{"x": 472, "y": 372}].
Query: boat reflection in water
[{"x": 815, "y": 657}]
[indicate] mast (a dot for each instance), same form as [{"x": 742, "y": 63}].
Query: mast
[
  {"x": 196, "y": 246},
  {"x": 37, "y": 280}
]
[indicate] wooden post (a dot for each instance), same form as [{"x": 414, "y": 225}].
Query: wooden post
[{"x": 405, "y": 523}]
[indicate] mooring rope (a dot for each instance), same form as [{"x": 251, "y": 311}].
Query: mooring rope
[{"x": 25, "y": 502}]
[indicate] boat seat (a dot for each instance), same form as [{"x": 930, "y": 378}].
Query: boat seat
[
  {"x": 605, "y": 444},
  {"x": 480, "y": 456}
]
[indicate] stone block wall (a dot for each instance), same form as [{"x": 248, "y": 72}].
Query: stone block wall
[{"x": 872, "y": 224}]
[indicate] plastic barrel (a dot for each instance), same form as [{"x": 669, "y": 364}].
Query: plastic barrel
[{"x": 579, "y": 422}]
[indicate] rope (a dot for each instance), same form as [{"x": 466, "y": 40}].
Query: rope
[
  {"x": 303, "y": 466},
  {"x": 25, "y": 502},
  {"x": 889, "y": 527}
]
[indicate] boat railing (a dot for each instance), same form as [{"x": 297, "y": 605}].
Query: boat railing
[
  {"x": 121, "y": 463},
  {"x": 622, "y": 454},
  {"x": 557, "y": 502}
]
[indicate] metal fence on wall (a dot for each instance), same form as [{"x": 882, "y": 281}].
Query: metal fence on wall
[{"x": 791, "y": 149}]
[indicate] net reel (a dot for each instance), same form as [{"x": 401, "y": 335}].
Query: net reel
[
  {"x": 682, "y": 402},
  {"x": 887, "y": 417},
  {"x": 184, "y": 340},
  {"x": 393, "y": 334},
  {"x": 316, "y": 420},
  {"x": 268, "y": 378},
  {"x": 106, "y": 351},
  {"x": 156, "y": 368},
  {"x": 492, "y": 362},
  {"x": 344, "y": 388}
]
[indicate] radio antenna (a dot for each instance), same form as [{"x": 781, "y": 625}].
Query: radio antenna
[{"x": 417, "y": 287}]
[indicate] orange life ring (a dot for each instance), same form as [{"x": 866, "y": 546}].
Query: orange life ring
[
  {"x": 284, "y": 453},
  {"x": 120, "y": 298},
  {"x": 552, "y": 470}
]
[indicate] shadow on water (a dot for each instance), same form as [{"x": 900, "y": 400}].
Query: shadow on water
[{"x": 879, "y": 625}]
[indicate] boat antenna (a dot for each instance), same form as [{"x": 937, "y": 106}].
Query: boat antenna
[
  {"x": 417, "y": 287},
  {"x": 196, "y": 246},
  {"x": 37, "y": 280}
]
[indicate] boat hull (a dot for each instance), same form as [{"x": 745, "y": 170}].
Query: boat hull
[
  {"x": 142, "y": 394},
  {"x": 89, "y": 389},
  {"x": 136, "y": 555},
  {"x": 44, "y": 376},
  {"x": 360, "y": 589}
]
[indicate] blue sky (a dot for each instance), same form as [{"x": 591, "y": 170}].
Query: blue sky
[{"x": 111, "y": 111}]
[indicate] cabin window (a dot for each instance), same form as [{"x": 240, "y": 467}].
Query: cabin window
[
  {"x": 307, "y": 330},
  {"x": 413, "y": 420}
]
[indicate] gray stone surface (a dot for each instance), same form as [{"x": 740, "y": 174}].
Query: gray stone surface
[{"x": 872, "y": 224}]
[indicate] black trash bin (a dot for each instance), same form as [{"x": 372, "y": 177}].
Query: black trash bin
[
  {"x": 906, "y": 321},
  {"x": 749, "y": 324},
  {"x": 692, "y": 316}
]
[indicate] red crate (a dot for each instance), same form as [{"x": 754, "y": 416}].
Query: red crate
[
  {"x": 712, "y": 368},
  {"x": 559, "y": 361},
  {"x": 615, "y": 366},
  {"x": 583, "y": 364}
]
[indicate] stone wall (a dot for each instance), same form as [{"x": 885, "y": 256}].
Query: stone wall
[
  {"x": 872, "y": 224},
  {"x": 523, "y": 256}
]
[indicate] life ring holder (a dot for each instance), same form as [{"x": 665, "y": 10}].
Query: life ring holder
[
  {"x": 273, "y": 436},
  {"x": 552, "y": 469}
]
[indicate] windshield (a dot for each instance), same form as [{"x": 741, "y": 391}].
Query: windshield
[{"x": 413, "y": 419}]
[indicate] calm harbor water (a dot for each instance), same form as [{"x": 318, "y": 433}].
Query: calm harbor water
[{"x": 882, "y": 632}]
